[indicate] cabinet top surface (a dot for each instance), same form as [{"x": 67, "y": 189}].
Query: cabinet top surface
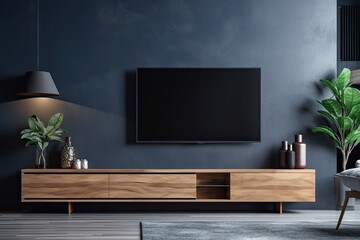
[{"x": 163, "y": 170}]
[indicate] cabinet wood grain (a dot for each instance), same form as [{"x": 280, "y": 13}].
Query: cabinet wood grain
[
  {"x": 273, "y": 187},
  {"x": 152, "y": 186},
  {"x": 168, "y": 185},
  {"x": 64, "y": 186}
]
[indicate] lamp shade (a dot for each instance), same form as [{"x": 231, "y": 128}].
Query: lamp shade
[{"x": 39, "y": 84}]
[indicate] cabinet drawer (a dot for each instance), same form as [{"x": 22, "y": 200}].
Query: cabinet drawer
[
  {"x": 152, "y": 185},
  {"x": 273, "y": 187},
  {"x": 59, "y": 186}
]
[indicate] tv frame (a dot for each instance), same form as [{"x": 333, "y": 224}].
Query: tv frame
[{"x": 192, "y": 142}]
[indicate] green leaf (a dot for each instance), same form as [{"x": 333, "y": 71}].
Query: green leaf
[
  {"x": 327, "y": 115},
  {"x": 36, "y": 134},
  {"x": 26, "y": 135},
  {"x": 35, "y": 139},
  {"x": 351, "y": 98},
  {"x": 332, "y": 106},
  {"x": 330, "y": 85},
  {"x": 345, "y": 123},
  {"x": 56, "y": 138},
  {"x": 28, "y": 143},
  {"x": 40, "y": 134},
  {"x": 357, "y": 142},
  {"x": 325, "y": 130},
  {"x": 60, "y": 131},
  {"x": 357, "y": 122},
  {"x": 49, "y": 128},
  {"x": 355, "y": 112},
  {"x": 336, "y": 143},
  {"x": 352, "y": 136},
  {"x": 342, "y": 81},
  {"x": 40, "y": 125},
  {"x": 25, "y": 131},
  {"x": 31, "y": 123},
  {"x": 55, "y": 121},
  {"x": 45, "y": 145}
]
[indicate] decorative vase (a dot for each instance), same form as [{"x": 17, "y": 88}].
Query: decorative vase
[
  {"x": 290, "y": 158},
  {"x": 300, "y": 152},
  {"x": 41, "y": 158},
  {"x": 283, "y": 151},
  {"x": 67, "y": 154}
]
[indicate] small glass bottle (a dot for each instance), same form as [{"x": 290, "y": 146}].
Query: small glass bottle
[
  {"x": 76, "y": 164},
  {"x": 84, "y": 164}
]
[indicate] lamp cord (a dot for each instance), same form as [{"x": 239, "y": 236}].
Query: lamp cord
[{"x": 38, "y": 36}]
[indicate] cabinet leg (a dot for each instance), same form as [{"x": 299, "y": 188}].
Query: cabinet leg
[
  {"x": 278, "y": 207},
  {"x": 70, "y": 207}
]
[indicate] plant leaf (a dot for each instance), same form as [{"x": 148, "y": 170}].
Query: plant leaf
[
  {"x": 40, "y": 125},
  {"x": 56, "y": 138},
  {"x": 332, "y": 106},
  {"x": 35, "y": 139},
  {"x": 345, "y": 123},
  {"x": 351, "y": 98},
  {"x": 352, "y": 136},
  {"x": 25, "y": 135},
  {"x": 355, "y": 112},
  {"x": 357, "y": 122},
  {"x": 45, "y": 145},
  {"x": 342, "y": 81},
  {"x": 31, "y": 123},
  {"x": 55, "y": 121},
  {"x": 25, "y": 131},
  {"x": 325, "y": 130},
  {"x": 330, "y": 85},
  {"x": 327, "y": 115},
  {"x": 49, "y": 128},
  {"x": 357, "y": 142},
  {"x": 28, "y": 143}
]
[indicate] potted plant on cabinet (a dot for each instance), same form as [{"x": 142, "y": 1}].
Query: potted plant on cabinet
[
  {"x": 40, "y": 135},
  {"x": 342, "y": 111}
]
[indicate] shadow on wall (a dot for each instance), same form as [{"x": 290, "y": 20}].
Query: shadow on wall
[
  {"x": 97, "y": 136},
  {"x": 10, "y": 86}
]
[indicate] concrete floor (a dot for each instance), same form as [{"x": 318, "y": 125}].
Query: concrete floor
[{"x": 127, "y": 225}]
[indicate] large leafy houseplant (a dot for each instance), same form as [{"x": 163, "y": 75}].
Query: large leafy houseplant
[
  {"x": 342, "y": 111},
  {"x": 40, "y": 135}
]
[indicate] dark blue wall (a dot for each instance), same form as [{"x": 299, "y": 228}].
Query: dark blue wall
[{"x": 93, "y": 47}]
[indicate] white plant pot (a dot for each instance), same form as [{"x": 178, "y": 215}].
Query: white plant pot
[{"x": 340, "y": 190}]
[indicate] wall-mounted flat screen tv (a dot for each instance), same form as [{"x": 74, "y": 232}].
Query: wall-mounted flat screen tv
[{"x": 198, "y": 105}]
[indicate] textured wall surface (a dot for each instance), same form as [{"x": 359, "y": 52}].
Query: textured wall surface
[{"x": 93, "y": 47}]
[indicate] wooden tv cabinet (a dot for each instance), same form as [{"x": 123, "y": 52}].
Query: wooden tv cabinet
[{"x": 168, "y": 185}]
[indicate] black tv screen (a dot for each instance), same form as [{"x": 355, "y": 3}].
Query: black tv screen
[{"x": 198, "y": 105}]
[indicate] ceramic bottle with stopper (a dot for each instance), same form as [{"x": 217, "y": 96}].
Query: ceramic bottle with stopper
[
  {"x": 290, "y": 158},
  {"x": 300, "y": 152},
  {"x": 284, "y": 148}
]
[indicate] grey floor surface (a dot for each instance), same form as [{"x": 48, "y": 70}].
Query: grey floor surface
[{"x": 127, "y": 226}]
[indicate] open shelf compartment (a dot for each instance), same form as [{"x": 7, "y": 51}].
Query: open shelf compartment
[{"x": 213, "y": 186}]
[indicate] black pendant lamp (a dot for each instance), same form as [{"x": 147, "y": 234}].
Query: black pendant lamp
[{"x": 39, "y": 83}]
